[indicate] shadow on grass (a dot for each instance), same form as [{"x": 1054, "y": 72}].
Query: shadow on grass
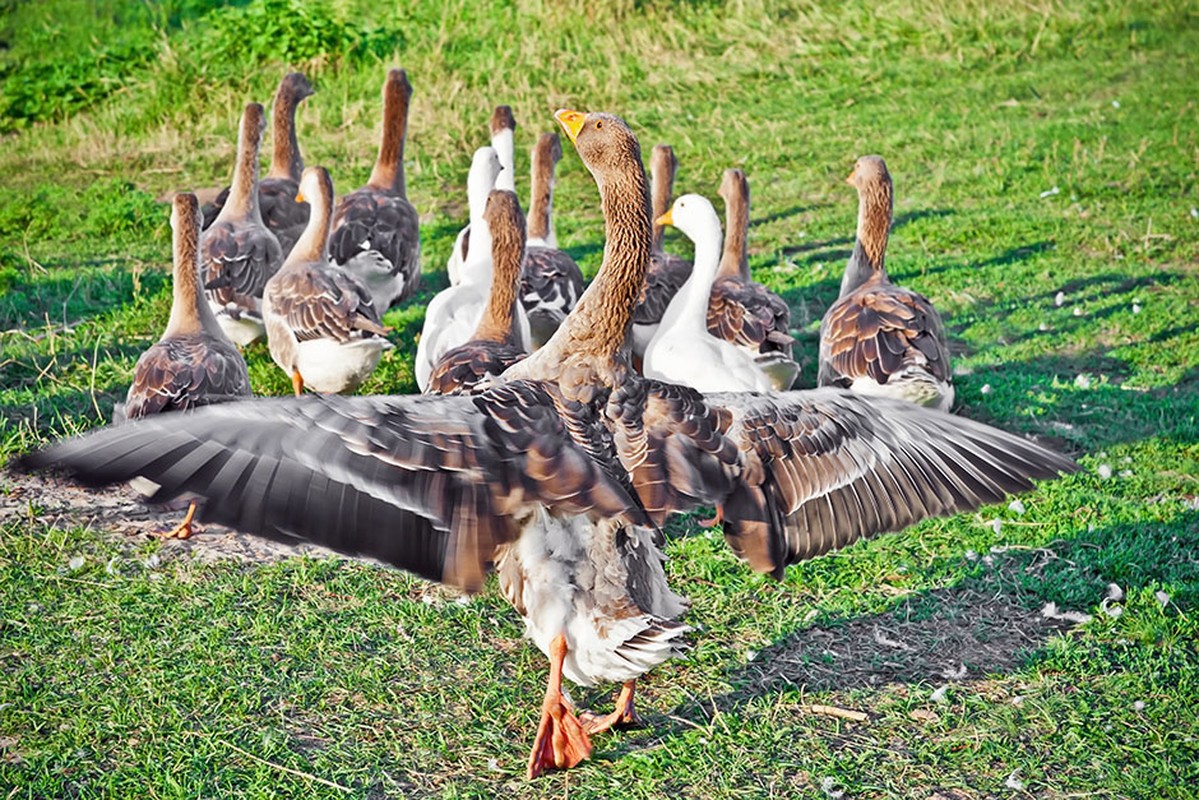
[{"x": 68, "y": 294}]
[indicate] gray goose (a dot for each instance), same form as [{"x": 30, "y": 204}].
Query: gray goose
[
  {"x": 193, "y": 364},
  {"x": 551, "y": 283},
  {"x": 879, "y": 338},
  {"x": 281, "y": 213},
  {"x": 322, "y": 326},
  {"x": 740, "y": 310},
  {"x": 376, "y": 231},
  {"x": 666, "y": 273},
  {"x": 470, "y": 367},
  {"x": 238, "y": 253},
  {"x": 559, "y": 477}
]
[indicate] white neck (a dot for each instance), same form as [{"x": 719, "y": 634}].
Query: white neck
[
  {"x": 688, "y": 310},
  {"x": 479, "y": 268},
  {"x": 479, "y": 183},
  {"x": 505, "y": 147}
]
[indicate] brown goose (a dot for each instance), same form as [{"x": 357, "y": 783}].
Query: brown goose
[
  {"x": 194, "y": 363},
  {"x": 551, "y": 282},
  {"x": 468, "y": 368},
  {"x": 322, "y": 326},
  {"x": 238, "y": 253},
  {"x": 376, "y": 231},
  {"x": 744, "y": 312},
  {"x": 666, "y": 273},
  {"x": 559, "y": 476},
  {"x": 879, "y": 338},
  {"x": 282, "y": 214}
]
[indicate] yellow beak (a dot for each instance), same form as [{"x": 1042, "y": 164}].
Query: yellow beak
[
  {"x": 300, "y": 197},
  {"x": 665, "y": 219},
  {"x": 571, "y": 122},
  {"x": 849, "y": 179}
]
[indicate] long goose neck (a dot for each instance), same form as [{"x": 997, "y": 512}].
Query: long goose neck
[
  {"x": 388, "y": 174},
  {"x": 243, "y": 192},
  {"x": 662, "y": 167},
  {"x": 541, "y": 222},
  {"x": 735, "y": 260},
  {"x": 503, "y": 139},
  {"x": 874, "y": 226},
  {"x": 190, "y": 312},
  {"x": 688, "y": 310},
  {"x": 507, "y": 253},
  {"x": 313, "y": 244},
  {"x": 286, "y": 161}
]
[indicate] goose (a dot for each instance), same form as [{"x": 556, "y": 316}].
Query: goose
[
  {"x": 376, "y": 231},
  {"x": 238, "y": 253},
  {"x": 454, "y": 313},
  {"x": 281, "y": 213},
  {"x": 559, "y": 477},
  {"x": 503, "y": 144},
  {"x": 744, "y": 312},
  {"x": 683, "y": 350},
  {"x": 194, "y": 363},
  {"x": 666, "y": 273},
  {"x": 484, "y": 169},
  {"x": 551, "y": 282},
  {"x": 493, "y": 347},
  {"x": 879, "y": 338},
  {"x": 322, "y": 326}
]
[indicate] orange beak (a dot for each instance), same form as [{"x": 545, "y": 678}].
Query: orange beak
[
  {"x": 849, "y": 180},
  {"x": 571, "y": 122},
  {"x": 665, "y": 219},
  {"x": 300, "y": 197}
]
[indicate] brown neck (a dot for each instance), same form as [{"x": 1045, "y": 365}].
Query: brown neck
[
  {"x": 388, "y": 174},
  {"x": 734, "y": 262},
  {"x": 243, "y": 192},
  {"x": 874, "y": 226},
  {"x": 190, "y": 313},
  {"x": 545, "y": 156},
  {"x": 314, "y": 241},
  {"x": 662, "y": 166},
  {"x": 507, "y": 253},
  {"x": 285, "y": 157}
]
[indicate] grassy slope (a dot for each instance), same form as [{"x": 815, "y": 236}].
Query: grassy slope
[{"x": 163, "y": 679}]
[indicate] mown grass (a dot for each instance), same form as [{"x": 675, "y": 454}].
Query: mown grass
[{"x": 127, "y": 677}]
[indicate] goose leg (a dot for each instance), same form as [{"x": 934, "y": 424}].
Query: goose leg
[
  {"x": 297, "y": 382},
  {"x": 625, "y": 713},
  {"x": 561, "y": 741},
  {"x": 184, "y": 529},
  {"x": 714, "y": 521}
]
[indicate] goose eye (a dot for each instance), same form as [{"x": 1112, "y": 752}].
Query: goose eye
[{"x": 598, "y": 124}]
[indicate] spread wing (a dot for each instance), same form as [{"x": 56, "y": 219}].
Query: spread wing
[
  {"x": 369, "y": 220},
  {"x": 750, "y": 316},
  {"x": 466, "y": 368},
  {"x": 879, "y": 331},
  {"x": 236, "y": 260},
  {"x": 428, "y": 484},
  {"x": 184, "y": 372},
  {"x": 825, "y": 467},
  {"x": 324, "y": 303},
  {"x": 665, "y": 275}
]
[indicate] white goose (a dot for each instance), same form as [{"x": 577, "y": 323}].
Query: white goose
[{"x": 480, "y": 180}]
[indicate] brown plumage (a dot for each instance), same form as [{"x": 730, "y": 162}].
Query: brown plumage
[
  {"x": 376, "y": 231},
  {"x": 666, "y": 273},
  {"x": 493, "y": 348},
  {"x": 880, "y": 338},
  {"x": 740, "y": 310},
  {"x": 281, "y": 213},
  {"x": 238, "y": 253},
  {"x": 551, "y": 283},
  {"x": 557, "y": 475}
]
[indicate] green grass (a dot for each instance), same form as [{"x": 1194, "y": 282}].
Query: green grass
[{"x": 186, "y": 679}]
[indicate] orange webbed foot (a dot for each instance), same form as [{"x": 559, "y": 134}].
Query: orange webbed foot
[
  {"x": 624, "y": 716},
  {"x": 562, "y": 741},
  {"x": 184, "y": 529}
]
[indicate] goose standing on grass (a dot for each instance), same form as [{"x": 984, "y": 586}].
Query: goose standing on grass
[
  {"x": 560, "y": 476},
  {"x": 376, "y": 231},
  {"x": 322, "y": 326},
  {"x": 551, "y": 283},
  {"x": 493, "y": 347},
  {"x": 194, "y": 363},
  {"x": 480, "y": 180},
  {"x": 744, "y": 312},
  {"x": 683, "y": 350},
  {"x": 238, "y": 253},
  {"x": 879, "y": 338},
  {"x": 666, "y": 273},
  {"x": 281, "y": 213}
]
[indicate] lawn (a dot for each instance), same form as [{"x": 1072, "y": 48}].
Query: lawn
[{"x": 1046, "y": 165}]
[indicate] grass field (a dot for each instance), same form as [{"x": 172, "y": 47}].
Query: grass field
[{"x": 1046, "y": 163}]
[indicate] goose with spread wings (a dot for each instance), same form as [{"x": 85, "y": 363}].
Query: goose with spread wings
[{"x": 559, "y": 477}]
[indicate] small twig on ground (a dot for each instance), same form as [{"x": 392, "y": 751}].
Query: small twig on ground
[
  {"x": 288, "y": 770},
  {"x": 837, "y": 711}
]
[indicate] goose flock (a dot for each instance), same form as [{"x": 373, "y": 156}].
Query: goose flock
[{"x": 561, "y": 426}]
